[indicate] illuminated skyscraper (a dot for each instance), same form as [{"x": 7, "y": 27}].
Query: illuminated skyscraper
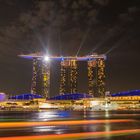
[
  {"x": 45, "y": 79},
  {"x": 68, "y": 76},
  {"x": 96, "y": 77},
  {"x": 41, "y": 78},
  {"x": 63, "y": 77},
  {"x": 101, "y": 77},
  {"x": 34, "y": 76},
  {"x": 73, "y": 76},
  {"x": 92, "y": 77}
]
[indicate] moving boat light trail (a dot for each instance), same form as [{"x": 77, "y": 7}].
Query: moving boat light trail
[
  {"x": 82, "y": 135},
  {"x": 75, "y": 136},
  {"x": 52, "y": 123}
]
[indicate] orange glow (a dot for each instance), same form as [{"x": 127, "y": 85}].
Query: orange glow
[
  {"x": 52, "y": 123},
  {"x": 74, "y": 135}
]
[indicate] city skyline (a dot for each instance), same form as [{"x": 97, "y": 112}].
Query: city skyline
[
  {"x": 69, "y": 69},
  {"x": 101, "y": 26}
]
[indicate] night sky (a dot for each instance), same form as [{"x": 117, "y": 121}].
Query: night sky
[{"x": 61, "y": 27}]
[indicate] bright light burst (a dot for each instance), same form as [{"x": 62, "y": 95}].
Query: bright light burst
[{"x": 46, "y": 58}]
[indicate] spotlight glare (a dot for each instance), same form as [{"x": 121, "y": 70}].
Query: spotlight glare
[{"x": 46, "y": 58}]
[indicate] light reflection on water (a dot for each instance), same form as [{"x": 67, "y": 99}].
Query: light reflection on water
[
  {"x": 71, "y": 115},
  {"x": 45, "y": 116},
  {"x": 50, "y": 115},
  {"x": 66, "y": 115},
  {"x": 50, "y": 129},
  {"x": 44, "y": 128},
  {"x": 107, "y": 114}
]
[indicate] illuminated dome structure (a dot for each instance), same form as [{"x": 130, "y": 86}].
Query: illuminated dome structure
[
  {"x": 2, "y": 97},
  {"x": 26, "y": 96},
  {"x": 127, "y": 93},
  {"x": 74, "y": 96},
  {"x": 133, "y": 95}
]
